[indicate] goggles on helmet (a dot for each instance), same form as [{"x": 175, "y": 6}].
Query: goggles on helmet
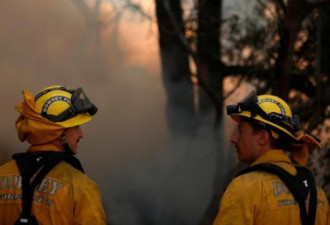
[
  {"x": 79, "y": 104},
  {"x": 250, "y": 104}
]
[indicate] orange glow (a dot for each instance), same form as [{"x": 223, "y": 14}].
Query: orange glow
[
  {"x": 302, "y": 37},
  {"x": 192, "y": 66},
  {"x": 136, "y": 36},
  {"x": 229, "y": 83},
  {"x": 325, "y": 132},
  {"x": 144, "y": 48},
  {"x": 270, "y": 11},
  {"x": 302, "y": 64},
  {"x": 194, "y": 80},
  {"x": 246, "y": 52},
  {"x": 295, "y": 93}
]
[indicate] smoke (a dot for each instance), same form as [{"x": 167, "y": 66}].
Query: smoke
[{"x": 126, "y": 148}]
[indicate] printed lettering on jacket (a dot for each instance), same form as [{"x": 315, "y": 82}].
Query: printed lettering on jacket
[
  {"x": 11, "y": 186},
  {"x": 279, "y": 196}
]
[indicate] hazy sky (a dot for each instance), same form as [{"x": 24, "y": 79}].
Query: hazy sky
[{"x": 63, "y": 42}]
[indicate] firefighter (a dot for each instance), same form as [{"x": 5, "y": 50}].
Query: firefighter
[
  {"x": 46, "y": 184},
  {"x": 274, "y": 189}
]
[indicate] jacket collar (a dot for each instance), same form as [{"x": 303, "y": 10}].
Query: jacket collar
[
  {"x": 271, "y": 156},
  {"x": 43, "y": 148}
]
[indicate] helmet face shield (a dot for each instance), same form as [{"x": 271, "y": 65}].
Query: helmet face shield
[
  {"x": 81, "y": 104},
  {"x": 245, "y": 105}
]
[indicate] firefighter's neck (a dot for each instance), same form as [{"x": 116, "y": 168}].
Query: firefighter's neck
[{"x": 58, "y": 143}]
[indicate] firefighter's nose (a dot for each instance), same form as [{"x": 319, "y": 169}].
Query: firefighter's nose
[{"x": 234, "y": 139}]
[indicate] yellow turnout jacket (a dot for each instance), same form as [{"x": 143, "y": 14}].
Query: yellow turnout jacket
[
  {"x": 65, "y": 196},
  {"x": 261, "y": 198}
]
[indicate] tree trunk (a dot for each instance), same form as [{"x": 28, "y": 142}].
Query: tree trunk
[
  {"x": 193, "y": 143},
  {"x": 324, "y": 52},
  {"x": 175, "y": 66},
  {"x": 174, "y": 55},
  {"x": 210, "y": 72},
  {"x": 296, "y": 12},
  {"x": 208, "y": 51}
]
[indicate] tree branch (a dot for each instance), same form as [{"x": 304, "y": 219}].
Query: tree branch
[{"x": 234, "y": 88}]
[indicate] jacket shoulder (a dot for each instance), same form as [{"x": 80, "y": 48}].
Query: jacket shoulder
[
  {"x": 9, "y": 167},
  {"x": 254, "y": 177},
  {"x": 76, "y": 176}
]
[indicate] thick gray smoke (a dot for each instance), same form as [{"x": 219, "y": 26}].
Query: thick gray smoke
[{"x": 126, "y": 148}]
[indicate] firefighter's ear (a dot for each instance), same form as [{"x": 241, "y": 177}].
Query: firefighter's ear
[{"x": 264, "y": 137}]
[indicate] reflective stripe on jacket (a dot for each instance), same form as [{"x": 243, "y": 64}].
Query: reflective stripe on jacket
[
  {"x": 66, "y": 196},
  {"x": 261, "y": 198}
]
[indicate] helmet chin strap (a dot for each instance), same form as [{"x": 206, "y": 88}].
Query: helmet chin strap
[{"x": 65, "y": 144}]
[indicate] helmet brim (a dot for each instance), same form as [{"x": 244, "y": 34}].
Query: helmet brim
[{"x": 75, "y": 121}]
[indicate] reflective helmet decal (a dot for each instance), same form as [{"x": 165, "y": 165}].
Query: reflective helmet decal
[
  {"x": 275, "y": 102},
  {"x": 54, "y": 99}
]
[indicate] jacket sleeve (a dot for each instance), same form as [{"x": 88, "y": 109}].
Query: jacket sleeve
[
  {"x": 237, "y": 206},
  {"x": 87, "y": 203}
]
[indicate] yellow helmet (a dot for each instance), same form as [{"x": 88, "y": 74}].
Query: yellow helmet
[
  {"x": 270, "y": 110},
  {"x": 63, "y": 106}
]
